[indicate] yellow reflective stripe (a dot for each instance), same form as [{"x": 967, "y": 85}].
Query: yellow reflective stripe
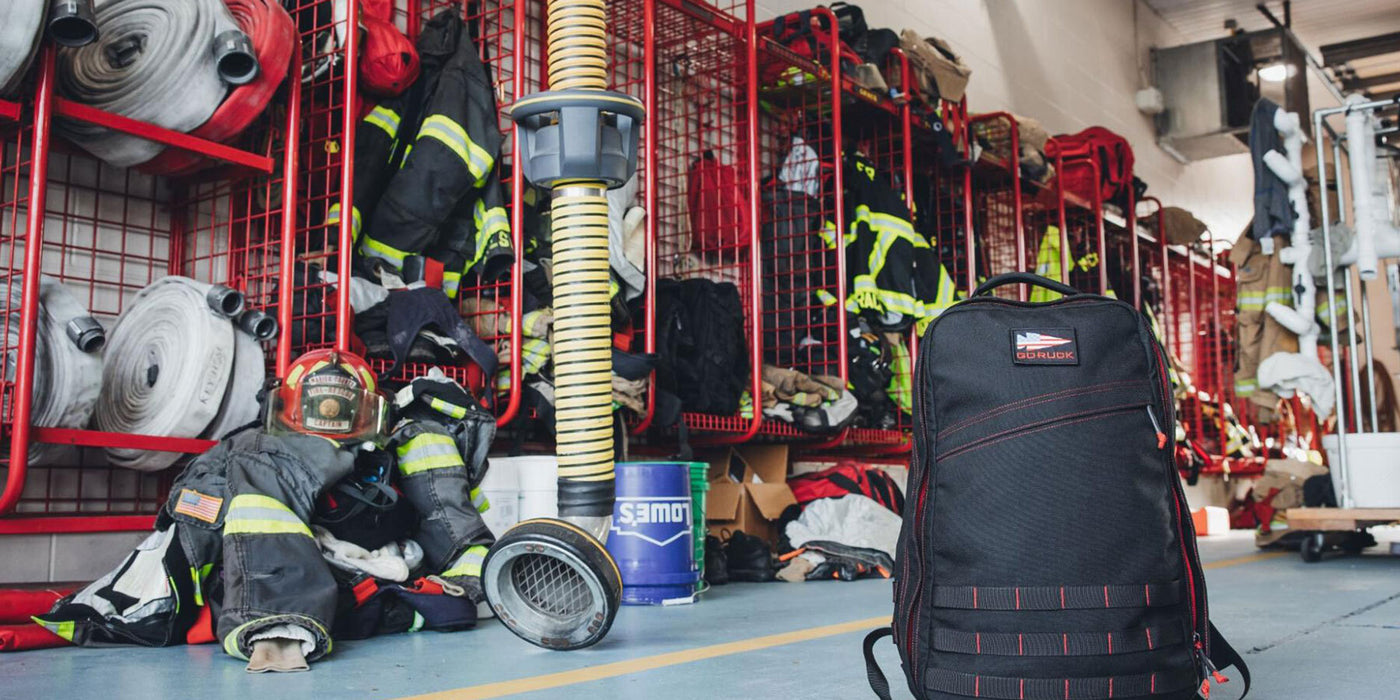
[
  {"x": 418, "y": 622},
  {"x": 534, "y": 354},
  {"x": 469, "y": 564},
  {"x": 479, "y": 500},
  {"x": 447, "y": 407},
  {"x": 62, "y": 629},
  {"x": 451, "y": 283},
  {"x": 333, "y": 218},
  {"x": 384, "y": 118},
  {"x": 452, "y": 135},
  {"x": 826, "y": 298},
  {"x": 256, "y": 514},
  {"x": 490, "y": 223},
  {"x": 387, "y": 253},
  {"x": 428, "y": 451}
]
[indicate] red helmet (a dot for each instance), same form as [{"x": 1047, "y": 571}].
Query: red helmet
[{"x": 332, "y": 395}]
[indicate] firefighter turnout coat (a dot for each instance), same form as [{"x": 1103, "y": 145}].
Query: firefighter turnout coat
[{"x": 426, "y": 166}]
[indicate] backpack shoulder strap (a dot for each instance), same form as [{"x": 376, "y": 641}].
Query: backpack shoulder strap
[
  {"x": 1222, "y": 655},
  {"x": 878, "y": 683}
]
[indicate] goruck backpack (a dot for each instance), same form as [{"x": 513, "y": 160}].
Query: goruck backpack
[{"x": 1047, "y": 551}]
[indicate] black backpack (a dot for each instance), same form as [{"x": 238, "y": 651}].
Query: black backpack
[
  {"x": 702, "y": 353},
  {"x": 1047, "y": 551}
]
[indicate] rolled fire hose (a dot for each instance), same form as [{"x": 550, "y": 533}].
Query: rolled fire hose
[
  {"x": 21, "y": 25},
  {"x": 176, "y": 366},
  {"x": 166, "y": 62},
  {"x": 67, "y": 366},
  {"x": 274, "y": 37}
]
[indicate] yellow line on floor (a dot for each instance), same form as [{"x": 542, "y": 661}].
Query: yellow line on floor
[
  {"x": 648, "y": 663},
  {"x": 1262, "y": 556}
]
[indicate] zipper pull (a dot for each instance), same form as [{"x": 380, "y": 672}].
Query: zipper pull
[
  {"x": 1207, "y": 670},
  {"x": 1161, "y": 436}
]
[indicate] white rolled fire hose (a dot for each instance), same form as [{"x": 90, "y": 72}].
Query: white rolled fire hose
[
  {"x": 177, "y": 366},
  {"x": 166, "y": 62},
  {"x": 21, "y": 25},
  {"x": 67, "y": 362}
]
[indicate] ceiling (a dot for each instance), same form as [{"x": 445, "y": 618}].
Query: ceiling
[{"x": 1334, "y": 31}]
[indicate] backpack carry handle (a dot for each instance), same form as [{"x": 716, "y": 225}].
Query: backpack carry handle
[{"x": 1024, "y": 278}]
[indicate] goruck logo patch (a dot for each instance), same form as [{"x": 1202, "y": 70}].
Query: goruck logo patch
[{"x": 1044, "y": 346}]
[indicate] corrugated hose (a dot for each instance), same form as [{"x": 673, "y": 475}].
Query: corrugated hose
[
  {"x": 166, "y": 62},
  {"x": 582, "y": 317}
]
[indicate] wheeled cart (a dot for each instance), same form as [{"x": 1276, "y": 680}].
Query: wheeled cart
[{"x": 1337, "y": 528}]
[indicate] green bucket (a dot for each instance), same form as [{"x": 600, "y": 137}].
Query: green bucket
[{"x": 699, "y": 484}]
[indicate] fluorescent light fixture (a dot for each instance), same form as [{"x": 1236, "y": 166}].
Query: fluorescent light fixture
[{"x": 1275, "y": 72}]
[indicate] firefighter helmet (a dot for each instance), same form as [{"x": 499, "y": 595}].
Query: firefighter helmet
[{"x": 330, "y": 394}]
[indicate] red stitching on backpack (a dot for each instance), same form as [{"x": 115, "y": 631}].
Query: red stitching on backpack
[
  {"x": 974, "y": 597},
  {"x": 1149, "y": 638},
  {"x": 1110, "y": 646},
  {"x": 1005, "y": 435},
  {"x": 1147, "y": 593},
  {"x": 976, "y": 686},
  {"x": 1021, "y": 646},
  {"x": 1018, "y": 598},
  {"x": 1033, "y": 401},
  {"x": 1065, "y": 637},
  {"x": 1062, "y": 597},
  {"x": 1105, "y": 597}
]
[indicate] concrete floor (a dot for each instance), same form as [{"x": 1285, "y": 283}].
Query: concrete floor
[{"x": 1315, "y": 631}]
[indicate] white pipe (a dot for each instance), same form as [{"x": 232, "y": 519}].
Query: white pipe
[
  {"x": 1288, "y": 166},
  {"x": 1369, "y": 189}
]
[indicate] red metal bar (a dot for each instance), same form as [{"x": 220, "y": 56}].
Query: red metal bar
[
  {"x": 291, "y": 167},
  {"x": 80, "y": 112},
  {"x": 649, "y": 200},
  {"x": 968, "y": 220},
  {"x": 69, "y": 524},
  {"x": 839, "y": 189},
  {"x": 1217, "y": 345},
  {"x": 9, "y": 111},
  {"x": 755, "y": 197},
  {"x": 23, "y": 396},
  {"x": 1167, "y": 306},
  {"x": 129, "y": 441},
  {"x": 517, "y": 221},
  {"x": 349, "y": 121},
  {"x": 1130, "y": 221}
]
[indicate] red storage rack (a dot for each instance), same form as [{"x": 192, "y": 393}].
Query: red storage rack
[
  {"x": 802, "y": 99},
  {"x": 106, "y": 233},
  {"x": 332, "y": 109},
  {"x": 704, "y": 100}
]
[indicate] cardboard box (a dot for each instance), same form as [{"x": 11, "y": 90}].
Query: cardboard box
[{"x": 748, "y": 490}]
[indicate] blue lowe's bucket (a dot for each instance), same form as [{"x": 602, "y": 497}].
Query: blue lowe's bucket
[{"x": 652, "y": 539}]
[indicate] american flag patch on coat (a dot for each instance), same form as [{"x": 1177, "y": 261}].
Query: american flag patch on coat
[{"x": 198, "y": 505}]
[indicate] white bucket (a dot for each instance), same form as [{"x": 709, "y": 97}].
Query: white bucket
[
  {"x": 539, "y": 484},
  {"x": 502, "y": 489},
  {"x": 1373, "y": 468}
]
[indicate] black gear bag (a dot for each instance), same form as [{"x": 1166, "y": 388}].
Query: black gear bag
[{"x": 1047, "y": 550}]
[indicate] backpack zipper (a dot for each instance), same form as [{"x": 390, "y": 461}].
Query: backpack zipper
[{"x": 1200, "y": 611}]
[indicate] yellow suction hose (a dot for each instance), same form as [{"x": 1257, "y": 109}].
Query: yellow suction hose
[{"x": 582, "y": 316}]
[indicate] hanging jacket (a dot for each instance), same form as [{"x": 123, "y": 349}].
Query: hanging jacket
[
  {"x": 1273, "y": 212},
  {"x": 1260, "y": 279},
  {"x": 894, "y": 276},
  {"x": 426, "y": 177}
]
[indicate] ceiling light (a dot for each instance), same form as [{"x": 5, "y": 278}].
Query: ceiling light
[{"x": 1275, "y": 72}]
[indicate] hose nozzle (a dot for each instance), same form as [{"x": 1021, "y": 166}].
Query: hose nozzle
[
  {"x": 258, "y": 324},
  {"x": 86, "y": 333},
  {"x": 234, "y": 56},
  {"x": 224, "y": 300},
  {"x": 72, "y": 23}
]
